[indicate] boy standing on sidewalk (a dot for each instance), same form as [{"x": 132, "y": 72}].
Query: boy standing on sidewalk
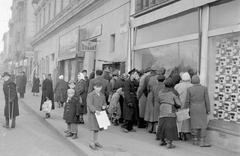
[
  {"x": 71, "y": 114},
  {"x": 96, "y": 102}
]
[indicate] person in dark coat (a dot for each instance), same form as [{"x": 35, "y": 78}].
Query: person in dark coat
[
  {"x": 92, "y": 75},
  {"x": 106, "y": 86},
  {"x": 10, "y": 87},
  {"x": 13, "y": 78},
  {"x": 106, "y": 75},
  {"x": 96, "y": 102},
  {"x": 36, "y": 85},
  {"x": 61, "y": 91},
  {"x": 130, "y": 109},
  {"x": 85, "y": 76},
  {"x": 71, "y": 114},
  {"x": 81, "y": 92},
  {"x": 113, "y": 81},
  {"x": 18, "y": 80},
  {"x": 47, "y": 92},
  {"x": 198, "y": 102},
  {"x": 22, "y": 84}
]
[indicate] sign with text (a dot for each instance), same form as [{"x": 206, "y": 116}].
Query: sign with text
[{"x": 89, "y": 46}]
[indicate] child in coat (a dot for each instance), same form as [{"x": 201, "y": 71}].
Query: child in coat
[
  {"x": 71, "y": 114},
  {"x": 114, "y": 109},
  {"x": 96, "y": 102}
]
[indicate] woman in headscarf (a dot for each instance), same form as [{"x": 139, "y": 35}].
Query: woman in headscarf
[
  {"x": 81, "y": 92},
  {"x": 197, "y": 101},
  {"x": 36, "y": 85},
  {"x": 61, "y": 91},
  {"x": 169, "y": 103},
  {"x": 181, "y": 88}
]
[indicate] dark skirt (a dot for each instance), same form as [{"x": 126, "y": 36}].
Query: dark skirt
[{"x": 167, "y": 128}]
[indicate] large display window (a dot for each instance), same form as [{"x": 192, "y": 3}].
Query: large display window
[{"x": 224, "y": 76}]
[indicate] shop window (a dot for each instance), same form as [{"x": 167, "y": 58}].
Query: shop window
[
  {"x": 224, "y": 77},
  {"x": 180, "y": 56},
  {"x": 112, "y": 43},
  {"x": 176, "y": 26},
  {"x": 224, "y": 14}
]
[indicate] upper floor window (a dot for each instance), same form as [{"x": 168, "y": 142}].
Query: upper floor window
[{"x": 112, "y": 43}]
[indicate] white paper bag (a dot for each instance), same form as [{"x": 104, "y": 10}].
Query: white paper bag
[
  {"x": 103, "y": 120},
  {"x": 47, "y": 106},
  {"x": 182, "y": 115}
]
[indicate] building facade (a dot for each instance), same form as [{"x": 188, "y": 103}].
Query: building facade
[
  {"x": 201, "y": 36},
  {"x": 6, "y": 55},
  {"x": 21, "y": 33},
  {"x": 81, "y": 34}
]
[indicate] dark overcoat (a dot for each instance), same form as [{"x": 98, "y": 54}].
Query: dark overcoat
[
  {"x": 198, "y": 101},
  {"x": 10, "y": 86},
  {"x": 18, "y": 82},
  {"x": 130, "y": 112},
  {"x": 22, "y": 84},
  {"x": 81, "y": 91},
  {"x": 36, "y": 84},
  {"x": 105, "y": 88},
  {"x": 61, "y": 91},
  {"x": 47, "y": 91},
  {"x": 71, "y": 110},
  {"x": 94, "y": 102}
]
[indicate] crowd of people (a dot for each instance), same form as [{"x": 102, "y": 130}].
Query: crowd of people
[{"x": 148, "y": 99}]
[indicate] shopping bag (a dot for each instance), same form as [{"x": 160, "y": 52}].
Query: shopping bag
[
  {"x": 182, "y": 115},
  {"x": 47, "y": 106},
  {"x": 103, "y": 120}
]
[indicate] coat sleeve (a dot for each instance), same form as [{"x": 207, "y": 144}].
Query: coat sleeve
[
  {"x": 90, "y": 88},
  {"x": 13, "y": 91},
  {"x": 109, "y": 91},
  {"x": 90, "y": 103},
  {"x": 127, "y": 92},
  {"x": 207, "y": 101},
  {"x": 177, "y": 102},
  {"x": 140, "y": 88},
  {"x": 187, "y": 101},
  {"x": 77, "y": 104},
  {"x": 56, "y": 87}
]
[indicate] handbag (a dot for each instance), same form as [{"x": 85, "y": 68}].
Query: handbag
[
  {"x": 182, "y": 115},
  {"x": 47, "y": 106}
]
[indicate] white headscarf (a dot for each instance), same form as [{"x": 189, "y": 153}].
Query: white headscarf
[
  {"x": 81, "y": 76},
  {"x": 60, "y": 77}
]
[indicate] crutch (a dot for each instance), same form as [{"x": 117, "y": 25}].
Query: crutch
[{"x": 10, "y": 111}]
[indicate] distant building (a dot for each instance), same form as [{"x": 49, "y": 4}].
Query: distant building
[{"x": 86, "y": 34}]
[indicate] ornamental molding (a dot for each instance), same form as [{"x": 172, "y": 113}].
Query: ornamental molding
[{"x": 69, "y": 12}]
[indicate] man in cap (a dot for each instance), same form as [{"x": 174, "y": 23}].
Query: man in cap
[
  {"x": 11, "y": 100},
  {"x": 130, "y": 108},
  {"x": 113, "y": 81}
]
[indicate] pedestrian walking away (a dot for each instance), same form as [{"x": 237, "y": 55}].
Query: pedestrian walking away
[
  {"x": 11, "y": 110},
  {"x": 22, "y": 84}
]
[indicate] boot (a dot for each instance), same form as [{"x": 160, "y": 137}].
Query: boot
[
  {"x": 74, "y": 136},
  {"x": 203, "y": 143},
  {"x": 69, "y": 135},
  {"x": 170, "y": 145},
  {"x": 180, "y": 136},
  {"x": 184, "y": 136},
  {"x": 162, "y": 143}
]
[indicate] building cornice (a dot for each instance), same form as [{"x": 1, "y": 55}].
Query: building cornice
[{"x": 73, "y": 9}]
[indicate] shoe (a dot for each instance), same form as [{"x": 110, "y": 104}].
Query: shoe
[
  {"x": 69, "y": 134},
  {"x": 93, "y": 147},
  {"x": 6, "y": 126},
  {"x": 74, "y": 136},
  {"x": 12, "y": 126},
  {"x": 195, "y": 141},
  {"x": 162, "y": 143},
  {"x": 98, "y": 145},
  {"x": 203, "y": 143},
  {"x": 169, "y": 146},
  {"x": 184, "y": 137},
  {"x": 156, "y": 138},
  {"x": 125, "y": 130},
  {"x": 133, "y": 130}
]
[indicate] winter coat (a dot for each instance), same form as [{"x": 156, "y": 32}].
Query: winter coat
[
  {"x": 146, "y": 82},
  {"x": 81, "y": 91},
  {"x": 94, "y": 102},
  {"x": 36, "y": 85},
  {"x": 71, "y": 110},
  {"x": 13, "y": 97},
  {"x": 47, "y": 91},
  {"x": 105, "y": 88},
  {"x": 107, "y": 76},
  {"x": 18, "y": 82},
  {"x": 181, "y": 88},
  {"x": 22, "y": 84},
  {"x": 198, "y": 101},
  {"x": 61, "y": 91},
  {"x": 130, "y": 112},
  {"x": 142, "y": 97}
]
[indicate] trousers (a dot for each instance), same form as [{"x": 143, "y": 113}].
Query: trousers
[
  {"x": 73, "y": 128},
  {"x": 128, "y": 124},
  {"x": 199, "y": 133}
]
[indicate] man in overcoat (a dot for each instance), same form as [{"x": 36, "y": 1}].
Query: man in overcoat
[
  {"x": 130, "y": 108},
  {"x": 22, "y": 84},
  {"x": 10, "y": 94}
]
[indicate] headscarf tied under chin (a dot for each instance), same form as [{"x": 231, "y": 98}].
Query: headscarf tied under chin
[{"x": 81, "y": 76}]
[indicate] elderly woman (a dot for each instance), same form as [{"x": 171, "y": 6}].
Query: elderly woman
[
  {"x": 169, "y": 103},
  {"x": 181, "y": 88},
  {"x": 61, "y": 91},
  {"x": 198, "y": 101},
  {"x": 81, "y": 92}
]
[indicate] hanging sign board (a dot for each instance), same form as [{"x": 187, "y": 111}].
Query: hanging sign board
[{"x": 89, "y": 46}]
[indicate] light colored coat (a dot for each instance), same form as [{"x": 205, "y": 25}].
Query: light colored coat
[
  {"x": 198, "y": 102},
  {"x": 181, "y": 88},
  {"x": 142, "y": 97},
  {"x": 94, "y": 102}
]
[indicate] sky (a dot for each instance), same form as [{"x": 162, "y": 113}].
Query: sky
[{"x": 5, "y": 15}]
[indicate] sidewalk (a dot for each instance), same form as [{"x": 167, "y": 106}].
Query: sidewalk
[{"x": 114, "y": 141}]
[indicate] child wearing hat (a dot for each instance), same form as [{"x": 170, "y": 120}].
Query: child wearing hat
[
  {"x": 96, "y": 102},
  {"x": 71, "y": 114}
]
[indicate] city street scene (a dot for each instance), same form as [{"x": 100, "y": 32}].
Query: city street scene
[{"x": 120, "y": 78}]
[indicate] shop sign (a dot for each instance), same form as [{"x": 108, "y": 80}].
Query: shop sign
[
  {"x": 89, "y": 46},
  {"x": 25, "y": 62},
  {"x": 29, "y": 54},
  {"x": 94, "y": 32}
]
